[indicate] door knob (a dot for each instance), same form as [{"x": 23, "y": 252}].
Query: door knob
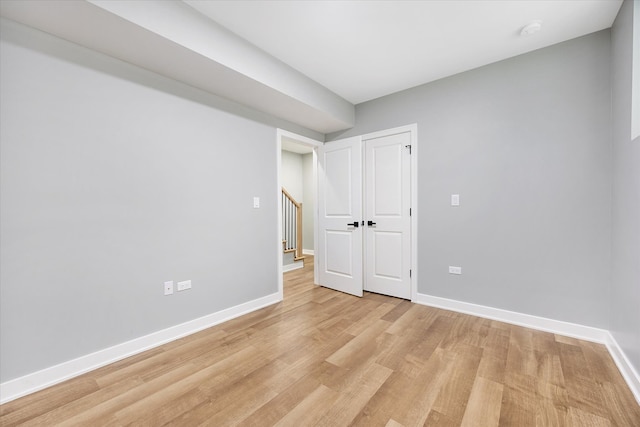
[
  {"x": 370, "y": 223},
  {"x": 354, "y": 224}
]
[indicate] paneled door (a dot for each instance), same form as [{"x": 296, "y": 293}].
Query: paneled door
[
  {"x": 364, "y": 214},
  {"x": 340, "y": 240},
  {"x": 387, "y": 201}
]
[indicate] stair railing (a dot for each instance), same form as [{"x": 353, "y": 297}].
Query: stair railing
[{"x": 291, "y": 224}]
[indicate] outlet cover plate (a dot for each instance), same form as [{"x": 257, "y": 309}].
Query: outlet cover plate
[
  {"x": 452, "y": 270},
  {"x": 184, "y": 285},
  {"x": 168, "y": 287}
]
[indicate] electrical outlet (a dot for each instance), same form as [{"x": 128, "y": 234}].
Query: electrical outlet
[
  {"x": 184, "y": 285},
  {"x": 452, "y": 270},
  {"x": 168, "y": 287},
  {"x": 455, "y": 200}
]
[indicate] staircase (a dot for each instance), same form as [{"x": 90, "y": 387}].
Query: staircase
[{"x": 291, "y": 233}]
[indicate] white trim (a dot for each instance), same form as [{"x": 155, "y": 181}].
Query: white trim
[
  {"x": 299, "y": 138},
  {"x": 413, "y": 131},
  {"x": 625, "y": 367},
  {"x": 315, "y": 212},
  {"x": 414, "y": 210},
  {"x": 280, "y": 255},
  {"x": 574, "y": 330},
  {"x": 47, "y": 377},
  {"x": 308, "y": 251},
  {"x": 293, "y": 266}
]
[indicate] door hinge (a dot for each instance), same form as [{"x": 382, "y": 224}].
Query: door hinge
[
  {"x": 409, "y": 273},
  {"x": 409, "y": 147},
  {"x": 409, "y": 211}
]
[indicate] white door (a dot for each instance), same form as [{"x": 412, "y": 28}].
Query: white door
[
  {"x": 387, "y": 229},
  {"x": 340, "y": 215}
]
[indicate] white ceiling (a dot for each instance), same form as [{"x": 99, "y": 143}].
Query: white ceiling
[{"x": 362, "y": 50}]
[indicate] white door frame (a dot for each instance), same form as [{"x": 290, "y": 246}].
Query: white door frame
[
  {"x": 280, "y": 134},
  {"x": 413, "y": 131}
]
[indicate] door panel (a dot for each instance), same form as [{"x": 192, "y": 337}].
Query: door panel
[
  {"x": 387, "y": 202},
  {"x": 339, "y": 207},
  {"x": 387, "y": 253},
  {"x": 386, "y": 173},
  {"x": 338, "y": 254}
]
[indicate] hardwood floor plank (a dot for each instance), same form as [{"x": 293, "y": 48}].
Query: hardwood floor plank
[
  {"x": 353, "y": 398},
  {"x": 236, "y": 404},
  {"x": 400, "y": 309},
  {"x": 85, "y": 403},
  {"x": 404, "y": 322},
  {"x": 37, "y": 404},
  {"x": 430, "y": 385},
  {"x": 311, "y": 409},
  {"x": 585, "y": 392},
  {"x": 436, "y": 419},
  {"x": 278, "y": 407},
  {"x": 360, "y": 323},
  {"x": 518, "y": 408},
  {"x": 361, "y": 347},
  {"x": 433, "y": 336},
  {"x": 550, "y": 414},
  {"x": 579, "y": 418},
  {"x": 454, "y": 395},
  {"x": 322, "y": 357},
  {"x": 483, "y": 407},
  {"x": 103, "y": 410},
  {"x": 492, "y": 368}
]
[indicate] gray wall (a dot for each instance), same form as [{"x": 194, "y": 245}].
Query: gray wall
[
  {"x": 308, "y": 203},
  {"x": 291, "y": 174},
  {"x": 625, "y": 291},
  {"x": 114, "y": 180},
  {"x": 526, "y": 142}
]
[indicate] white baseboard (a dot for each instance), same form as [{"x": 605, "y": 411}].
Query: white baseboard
[
  {"x": 308, "y": 252},
  {"x": 582, "y": 332},
  {"x": 626, "y": 368},
  {"x": 534, "y": 322},
  {"x": 290, "y": 267},
  {"x": 47, "y": 377}
]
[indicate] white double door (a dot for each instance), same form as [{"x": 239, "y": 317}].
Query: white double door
[{"x": 364, "y": 222}]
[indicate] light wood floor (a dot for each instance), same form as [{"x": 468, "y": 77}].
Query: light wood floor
[{"x": 325, "y": 358}]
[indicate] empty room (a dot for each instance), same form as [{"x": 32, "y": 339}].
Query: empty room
[{"x": 320, "y": 213}]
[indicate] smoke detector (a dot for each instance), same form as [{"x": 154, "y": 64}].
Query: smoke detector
[{"x": 531, "y": 28}]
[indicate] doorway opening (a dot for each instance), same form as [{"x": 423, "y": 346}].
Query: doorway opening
[{"x": 297, "y": 213}]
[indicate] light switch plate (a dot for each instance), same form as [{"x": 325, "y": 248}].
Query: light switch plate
[
  {"x": 256, "y": 202},
  {"x": 455, "y": 200}
]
